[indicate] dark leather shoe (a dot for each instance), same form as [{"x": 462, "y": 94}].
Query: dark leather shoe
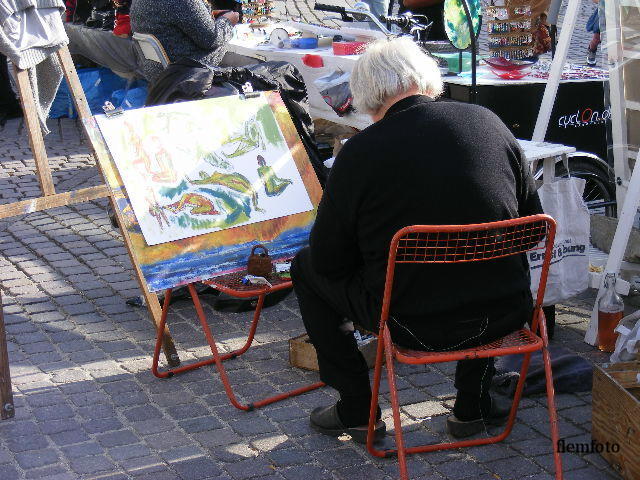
[
  {"x": 498, "y": 415},
  {"x": 326, "y": 421}
]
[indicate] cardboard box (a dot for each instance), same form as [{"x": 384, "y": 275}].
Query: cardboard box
[
  {"x": 302, "y": 353},
  {"x": 616, "y": 416}
]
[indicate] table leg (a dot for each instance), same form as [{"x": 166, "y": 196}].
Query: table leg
[{"x": 549, "y": 169}]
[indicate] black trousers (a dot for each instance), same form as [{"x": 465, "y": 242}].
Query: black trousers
[{"x": 325, "y": 304}]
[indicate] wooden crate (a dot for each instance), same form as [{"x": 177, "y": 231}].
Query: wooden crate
[
  {"x": 302, "y": 353},
  {"x": 616, "y": 415}
]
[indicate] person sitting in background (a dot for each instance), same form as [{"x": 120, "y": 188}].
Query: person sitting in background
[
  {"x": 185, "y": 28},
  {"x": 421, "y": 163},
  {"x": 122, "y": 26},
  {"x": 593, "y": 26}
]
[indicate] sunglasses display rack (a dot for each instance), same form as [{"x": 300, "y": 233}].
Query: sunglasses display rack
[
  {"x": 509, "y": 25},
  {"x": 256, "y": 11}
]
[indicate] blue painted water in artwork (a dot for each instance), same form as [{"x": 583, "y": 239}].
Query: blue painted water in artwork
[{"x": 192, "y": 267}]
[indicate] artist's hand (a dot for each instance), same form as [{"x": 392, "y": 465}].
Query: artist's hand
[{"x": 233, "y": 17}]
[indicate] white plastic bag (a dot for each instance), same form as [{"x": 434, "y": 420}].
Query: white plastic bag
[{"x": 569, "y": 270}]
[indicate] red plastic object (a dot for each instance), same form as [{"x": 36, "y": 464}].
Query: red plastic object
[
  {"x": 230, "y": 284},
  {"x": 349, "y": 48},
  {"x": 503, "y": 64},
  {"x": 435, "y": 244},
  {"x": 313, "y": 61},
  {"x": 510, "y": 74}
]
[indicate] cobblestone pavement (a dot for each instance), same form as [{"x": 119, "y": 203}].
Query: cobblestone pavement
[{"x": 88, "y": 407}]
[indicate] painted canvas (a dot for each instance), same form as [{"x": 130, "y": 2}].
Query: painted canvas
[
  {"x": 196, "y": 167},
  {"x": 212, "y": 254}
]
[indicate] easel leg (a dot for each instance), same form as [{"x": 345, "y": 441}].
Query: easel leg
[
  {"x": 84, "y": 113},
  {"x": 34, "y": 132},
  {"x": 6, "y": 395}
]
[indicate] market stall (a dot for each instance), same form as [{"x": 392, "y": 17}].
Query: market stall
[{"x": 579, "y": 117}]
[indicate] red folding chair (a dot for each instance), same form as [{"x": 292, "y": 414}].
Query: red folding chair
[
  {"x": 466, "y": 243},
  {"x": 230, "y": 284}
]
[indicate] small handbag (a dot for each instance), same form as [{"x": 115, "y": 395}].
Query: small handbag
[{"x": 259, "y": 264}]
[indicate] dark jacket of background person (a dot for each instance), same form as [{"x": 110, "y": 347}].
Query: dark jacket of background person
[
  {"x": 185, "y": 28},
  {"x": 431, "y": 163}
]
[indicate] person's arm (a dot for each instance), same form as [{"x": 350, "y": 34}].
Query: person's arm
[
  {"x": 333, "y": 241},
  {"x": 195, "y": 20}
]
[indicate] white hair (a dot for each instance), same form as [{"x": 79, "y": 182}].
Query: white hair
[{"x": 389, "y": 68}]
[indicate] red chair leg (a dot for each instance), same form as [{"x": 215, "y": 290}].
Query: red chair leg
[
  {"x": 217, "y": 358},
  {"x": 517, "y": 396},
  {"x": 551, "y": 404},
  {"x": 395, "y": 407},
  {"x": 375, "y": 391}
]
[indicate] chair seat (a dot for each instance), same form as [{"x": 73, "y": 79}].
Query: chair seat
[
  {"x": 231, "y": 284},
  {"x": 520, "y": 341}
]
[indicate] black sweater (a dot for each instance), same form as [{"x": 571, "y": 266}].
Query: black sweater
[{"x": 425, "y": 163}]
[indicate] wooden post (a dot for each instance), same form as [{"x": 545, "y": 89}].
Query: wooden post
[
  {"x": 34, "y": 132},
  {"x": 6, "y": 395}
]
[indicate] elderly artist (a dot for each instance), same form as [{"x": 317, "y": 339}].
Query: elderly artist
[
  {"x": 421, "y": 162},
  {"x": 185, "y": 28}
]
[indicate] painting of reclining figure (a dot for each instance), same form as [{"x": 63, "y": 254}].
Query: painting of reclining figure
[{"x": 198, "y": 167}]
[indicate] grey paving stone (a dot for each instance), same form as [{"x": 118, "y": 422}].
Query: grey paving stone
[
  {"x": 8, "y": 472},
  {"x": 117, "y": 438},
  {"x": 101, "y": 425},
  {"x": 200, "y": 424},
  {"x": 143, "y": 465},
  {"x": 69, "y": 437},
  {"x": 82, "y": 450},
  {"x": 50, "y": 472},
  {"x": 128, "y": 451},
  {"x": 36, "y": 458},
  {"x": 362, "y": 472},
  {"x": 513, "y": 468},
  {"x": 252, "y": 426},
  {"x": 58, "y": 426},
  {"x": 308, "y": 472},
  {"x": 91, "y": 465},
  {"x": 142, "y": 413},
  {"x": 460, "y": 469},
  {"x": 197, "y": 469},
  {"x": 25, "y": 443},
  {"x": 289, "y": 457}
]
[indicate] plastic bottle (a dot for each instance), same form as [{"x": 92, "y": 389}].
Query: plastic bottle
[{"x": 610, "y": 312}]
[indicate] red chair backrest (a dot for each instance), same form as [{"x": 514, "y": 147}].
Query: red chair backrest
[{"x": 471, "y": 243}]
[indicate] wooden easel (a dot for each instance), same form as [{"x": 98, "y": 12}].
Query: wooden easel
[{"x": 51, "y": 199}]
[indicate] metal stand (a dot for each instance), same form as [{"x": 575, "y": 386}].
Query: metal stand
[{"x": 218, "y": 359}]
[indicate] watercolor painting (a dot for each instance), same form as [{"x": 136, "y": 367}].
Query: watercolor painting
[
  {"x": 212, "y": 254},
  {"x": 197, "y": 167}
]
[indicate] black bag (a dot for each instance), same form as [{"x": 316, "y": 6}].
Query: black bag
[
  {"x": 82, "y": 11},
  {"x": 227, "y": 303}
]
